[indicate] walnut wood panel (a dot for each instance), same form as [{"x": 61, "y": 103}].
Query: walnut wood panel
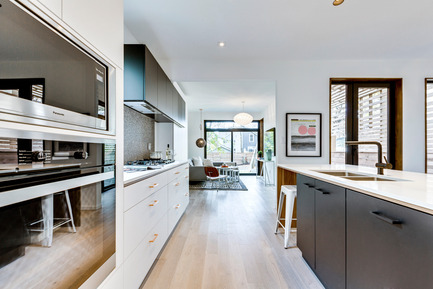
[{"x": 285, "y": 177}]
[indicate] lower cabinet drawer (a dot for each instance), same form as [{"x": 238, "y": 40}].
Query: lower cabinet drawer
[
  {"x": 175, "y": 211},
  {"x": 137, "y": 192},
  {"x": 140, "y": 219},
  {"x": 140, "y": 261}
]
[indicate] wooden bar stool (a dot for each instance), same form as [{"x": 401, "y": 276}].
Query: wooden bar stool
[{"x": 288, "y": 192}]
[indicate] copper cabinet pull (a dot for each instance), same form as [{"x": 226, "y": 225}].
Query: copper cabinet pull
[
  {"x": 154, "y": 203},
  {"x": 156, "y": 236},
  {"x": 154, "y": 186}
]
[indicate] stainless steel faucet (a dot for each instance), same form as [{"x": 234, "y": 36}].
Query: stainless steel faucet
[{"x": 379, "y": 165}]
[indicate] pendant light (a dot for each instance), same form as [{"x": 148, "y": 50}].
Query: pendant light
[
  {"x": 200, "y": 142},
  {"x": 337, "y": 2},
  {"x": 243, "y": 118}
]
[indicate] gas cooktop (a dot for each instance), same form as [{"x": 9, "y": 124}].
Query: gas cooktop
[{"x": 144, "y": 165}]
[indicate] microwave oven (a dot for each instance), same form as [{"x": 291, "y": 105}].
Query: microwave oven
[{"x": 50, "y": 78}]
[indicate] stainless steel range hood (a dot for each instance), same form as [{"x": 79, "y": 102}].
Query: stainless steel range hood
[{"x": 149, "y": 111}]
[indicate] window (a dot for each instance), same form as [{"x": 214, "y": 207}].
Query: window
[
  {"x": 364, "y": 111},
  {"x": 429, "y": 126},
  {"x": 229, "y": 142}
]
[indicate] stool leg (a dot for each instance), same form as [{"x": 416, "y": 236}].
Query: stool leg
[
  {"x": 48, "y": 218},
  {"x": 290, "y": 202},
  {"x": 280, "y": 207},
  {"x": 68, "y": 203}
]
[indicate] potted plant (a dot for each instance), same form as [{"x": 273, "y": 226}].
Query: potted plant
[{"x": 259, "y": 154}]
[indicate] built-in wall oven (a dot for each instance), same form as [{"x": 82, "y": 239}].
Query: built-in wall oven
[
  {"x": 57, "y": 211},
  {"x": 48, "y": 77}
]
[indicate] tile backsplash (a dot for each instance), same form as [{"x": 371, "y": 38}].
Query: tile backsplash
[{"x": 139, "y": 131}]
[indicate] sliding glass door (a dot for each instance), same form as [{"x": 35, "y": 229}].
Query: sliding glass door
[{"x": 229, "y": 142}]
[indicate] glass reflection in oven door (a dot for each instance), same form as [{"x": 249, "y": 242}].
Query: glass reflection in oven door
[{"x": 58, "y": 240}]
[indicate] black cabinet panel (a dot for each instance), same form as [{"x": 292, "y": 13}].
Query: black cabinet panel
[
  {"x": 134, "y": 72},
  {"x": 330, "y": 234},
  {"x": 306, "y": 218},
  {"x": 381, "y": 254},
  {"x": 150, "y": 78}
]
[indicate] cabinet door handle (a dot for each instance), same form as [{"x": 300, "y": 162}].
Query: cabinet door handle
[
  {"x": 177, "y": 184},
  {"x": 177, "y": 207},
  {"x": 153, "y": 240},
  {"x": 153, "y": 186},
  {"x": 176, "y": 173},
  {"x": 154, "y": 203},
  {"x": 308, "y": 186},
  {"x": 382, "y": 217},
  {"x": 323, "y": 192},
  {"x": 186, "y": 177}
]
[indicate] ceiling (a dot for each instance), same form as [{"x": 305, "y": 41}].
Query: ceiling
[
  {"x": 228, "y": 96},
  {"x": 188, "y": 32}
]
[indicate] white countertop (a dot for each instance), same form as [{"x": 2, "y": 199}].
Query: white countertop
[
  {"x": 133, "y": 177},
  {"x": 413, "y": 190}
]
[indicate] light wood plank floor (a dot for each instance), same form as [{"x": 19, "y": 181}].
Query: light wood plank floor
[{"x": 226, "y": 240}]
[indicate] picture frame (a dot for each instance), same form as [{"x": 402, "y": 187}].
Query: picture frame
[{"x": 303, "y": 134}]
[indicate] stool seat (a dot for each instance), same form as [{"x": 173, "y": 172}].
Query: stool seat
[{"x": 289, "y": 192}]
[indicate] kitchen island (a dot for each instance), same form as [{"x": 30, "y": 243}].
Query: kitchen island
[{"x": 360, "y": 230}]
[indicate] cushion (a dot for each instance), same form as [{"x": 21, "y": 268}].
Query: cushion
[
  {"x": 197, "y": 161},
  {"x": 207, "y": 163}
]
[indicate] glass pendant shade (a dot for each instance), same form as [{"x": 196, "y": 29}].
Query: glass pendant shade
[{"x": 243, "y": 118}]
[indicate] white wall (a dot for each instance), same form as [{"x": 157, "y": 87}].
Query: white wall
[
  {"x": 303, "y": 86},
  {"x": 270, "y": 116},
  {"x": 194, "y": 127}
]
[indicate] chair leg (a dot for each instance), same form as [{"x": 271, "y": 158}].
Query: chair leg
[
  {"x": 68, "y": 203},
  {"x": 280, "y": 207},
  {"x": 290, "y": 201}
]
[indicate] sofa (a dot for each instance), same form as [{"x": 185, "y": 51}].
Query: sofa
[{"x": 196, "y": 168}]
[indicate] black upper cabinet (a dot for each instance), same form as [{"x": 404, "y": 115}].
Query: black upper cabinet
[
  {"x": 145, "y": 81},
  {"x": 140, "y": 73}
]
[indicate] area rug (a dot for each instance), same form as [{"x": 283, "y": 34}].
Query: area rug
[{"x": 223, "y": 186}]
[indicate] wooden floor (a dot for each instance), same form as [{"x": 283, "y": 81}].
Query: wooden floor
[{"x": 226, "y": 240}]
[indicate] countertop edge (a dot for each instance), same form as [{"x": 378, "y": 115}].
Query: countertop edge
[
  {"x": 149, "y": 174},
  {"x": 406, "y": 202}
]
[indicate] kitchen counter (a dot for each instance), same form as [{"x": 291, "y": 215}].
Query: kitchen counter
[
  {"x": 413, "y": 190},
  {"x": 130, "y": 178}
]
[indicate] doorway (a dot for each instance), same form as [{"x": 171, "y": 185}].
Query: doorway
[
  {"x": 365, "y": 110},
  {"x": 230, "y": 142}
]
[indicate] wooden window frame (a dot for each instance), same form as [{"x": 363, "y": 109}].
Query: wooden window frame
[{"x": 395, "y": 114}]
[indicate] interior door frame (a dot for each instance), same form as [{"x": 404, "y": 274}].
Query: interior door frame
[{"x": 395, "y": 116}]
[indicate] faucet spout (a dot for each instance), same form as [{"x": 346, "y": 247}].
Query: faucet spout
[{"x": 380, "y": 166}]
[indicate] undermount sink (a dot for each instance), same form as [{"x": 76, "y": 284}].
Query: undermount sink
[
  {"x": 340, "y": 173},
  {"x": 368, "y": 179},
  {"x": 360, "y": 177}
]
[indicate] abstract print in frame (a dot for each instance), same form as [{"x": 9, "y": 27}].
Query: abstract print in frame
[{"x": 303, "y": 134}]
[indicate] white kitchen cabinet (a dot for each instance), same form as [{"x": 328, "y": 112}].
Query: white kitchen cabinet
[
  {"x": 178, "y": 195},
  {"x": 99, "y": 22},
  {"x": 139, "y": 191},
  {"x": 142, "y": 217},
  {"x": 139, "y": 263}
]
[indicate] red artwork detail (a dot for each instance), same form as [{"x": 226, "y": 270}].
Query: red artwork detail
[
  {"x": 312, "y": 131},
  {"x": 302, "y": 129}
]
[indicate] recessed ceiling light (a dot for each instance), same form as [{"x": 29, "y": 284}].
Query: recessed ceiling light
[
  {"x": 338, "y": 2},
  {"x": 221, "y": 44}
]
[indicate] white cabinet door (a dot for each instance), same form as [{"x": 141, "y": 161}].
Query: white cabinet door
[{"x": 100, "y": 22}]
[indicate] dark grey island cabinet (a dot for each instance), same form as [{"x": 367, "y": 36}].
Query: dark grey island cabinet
[{"x": 356, "y": 241}]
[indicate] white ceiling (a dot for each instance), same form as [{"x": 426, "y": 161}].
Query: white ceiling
[
  {"x": 228, "y": 96},
  {"x": 187, "y": 31}
]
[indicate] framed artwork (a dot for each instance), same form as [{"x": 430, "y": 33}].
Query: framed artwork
[{"x": 303, "y": 134}]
